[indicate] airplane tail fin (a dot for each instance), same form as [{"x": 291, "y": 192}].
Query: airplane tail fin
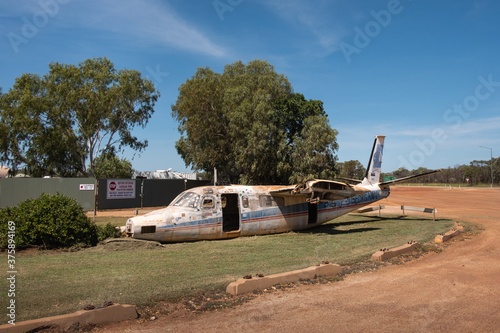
[
  {"x": 373, "y": 171},
  {"x": 375, "y": 164}
]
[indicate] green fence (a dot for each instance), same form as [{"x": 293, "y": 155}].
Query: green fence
[
  {"x": 141, "y": 192},
  {"x": 15, "y": 190},
  {"x": 111, "y": 193}
]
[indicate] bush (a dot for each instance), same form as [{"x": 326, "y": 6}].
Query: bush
[
  {"x": 108, "y": 231},
  {"x": 51, "y": 221}
]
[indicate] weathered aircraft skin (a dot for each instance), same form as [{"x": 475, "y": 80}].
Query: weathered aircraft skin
[{"x": 221, "y": 212}]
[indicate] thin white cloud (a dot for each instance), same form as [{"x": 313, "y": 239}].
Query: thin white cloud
[
  {"x": 150, "y": 22},
  {"x": 468, "y": 134},
  {"x": 477, "y": 126},
  {"x": 316, "y": 17}
]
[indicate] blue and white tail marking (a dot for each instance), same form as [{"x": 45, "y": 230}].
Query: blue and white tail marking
[{"x": 375, "y": 164}]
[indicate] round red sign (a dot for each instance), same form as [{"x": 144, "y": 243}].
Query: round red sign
[{"x": 112, "y": 186}]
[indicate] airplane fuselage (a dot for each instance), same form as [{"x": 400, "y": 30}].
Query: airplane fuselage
[{"x": 221, "y": 212}]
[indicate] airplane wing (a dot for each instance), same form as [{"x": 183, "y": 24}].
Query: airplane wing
[
  {"x": 399, "y": 180},
  {"x": 354, "y": 181},
  {"x": 283, "y": 192},
  {"x": 318, "y": 190}
]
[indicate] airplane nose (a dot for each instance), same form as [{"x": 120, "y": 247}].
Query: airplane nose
[
  {"x": 148, "y": 226},
  {"x": 129, "y": 228}
]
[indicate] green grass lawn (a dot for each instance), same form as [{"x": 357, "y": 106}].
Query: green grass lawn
[{"x": 51, "y": 283}]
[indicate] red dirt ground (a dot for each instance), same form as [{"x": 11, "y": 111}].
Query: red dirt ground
[{"x": 456, "y": 290}]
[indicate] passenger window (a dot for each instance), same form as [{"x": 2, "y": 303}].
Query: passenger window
[
  {"x": 270, "y": 201},
  {"x": 266, "y": 201},
  {"x": 244, "y": 199},
  {"x": 208, "y": 203}
]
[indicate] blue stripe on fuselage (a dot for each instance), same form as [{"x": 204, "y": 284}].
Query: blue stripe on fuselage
[
  {"x": 364, "y": 198},
  {"x": 274, "y": 212},
  {"x": 192, "y": 223},
  {"x": 286, "y": 211}
]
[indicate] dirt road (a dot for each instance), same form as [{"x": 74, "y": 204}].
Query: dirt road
[{"x": 456, "y": 290}]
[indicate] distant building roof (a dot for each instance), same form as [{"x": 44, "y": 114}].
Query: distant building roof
[{"x": 164, "y": 174}]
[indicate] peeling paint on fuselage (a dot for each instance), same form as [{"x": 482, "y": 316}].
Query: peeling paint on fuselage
[{"x": 206, "y": 213}]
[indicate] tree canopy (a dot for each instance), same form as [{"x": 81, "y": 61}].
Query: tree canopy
[
  {"x": 108, "y": 165},
  {"x": 249, "y": 124},
  {"x": 477, "y": 172},
  {"x": 352, "y": 169},
  {"x": 59, "y": 123}
]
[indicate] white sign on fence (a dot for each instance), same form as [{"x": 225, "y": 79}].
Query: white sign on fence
[
  {"x": 120, "y": 189},
  {"x": 86, "y": 187}
]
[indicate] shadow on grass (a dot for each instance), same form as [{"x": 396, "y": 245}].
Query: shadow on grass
[
  {"x": 374, "y": 218},
  {"x": 331, "y": 229}
]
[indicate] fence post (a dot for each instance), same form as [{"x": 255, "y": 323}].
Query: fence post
[{"x": 95, "y": 199}]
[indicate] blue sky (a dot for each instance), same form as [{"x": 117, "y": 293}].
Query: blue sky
[{"x": 424, "y": 73}]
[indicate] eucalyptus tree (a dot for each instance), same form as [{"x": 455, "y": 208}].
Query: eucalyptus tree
[
  {"x": 61, "y": 122},
  {"x": 249, "y": 124},
  {"x": 108, "y": 165},
  {"x": 352, "y": 169}
]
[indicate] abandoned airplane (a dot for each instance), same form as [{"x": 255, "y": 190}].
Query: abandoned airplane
[{"x": 221, "y": 212}]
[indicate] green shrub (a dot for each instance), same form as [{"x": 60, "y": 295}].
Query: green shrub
[
  {"x": 108, "y": 231},
  {"x": 51, "y": 221}
]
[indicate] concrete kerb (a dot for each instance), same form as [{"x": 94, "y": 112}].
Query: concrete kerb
[
  {"x": 385, "y": 254},
  {"x": 113, "y": 313},
  {"x": 242, "y": 286},
  {"x": 457, "y": 229}
]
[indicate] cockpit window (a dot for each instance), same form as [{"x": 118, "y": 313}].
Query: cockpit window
[
  {"x": 188, "y": 199},
  {"x": 208, "y": 203}
]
